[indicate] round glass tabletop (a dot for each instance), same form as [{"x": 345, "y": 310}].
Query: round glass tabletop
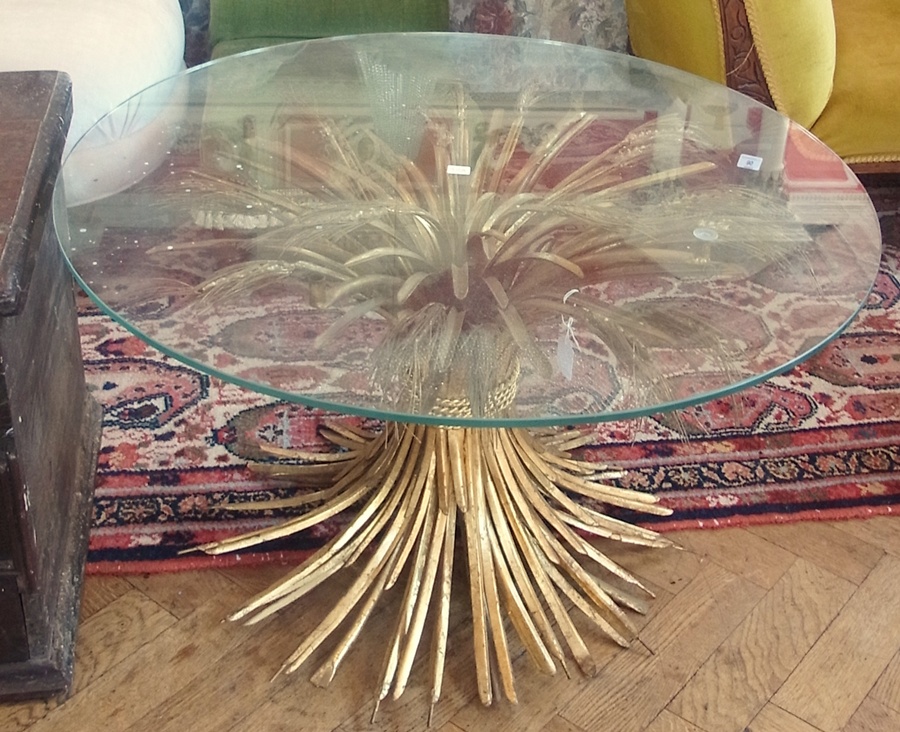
[{"x": 467, "y": 230}]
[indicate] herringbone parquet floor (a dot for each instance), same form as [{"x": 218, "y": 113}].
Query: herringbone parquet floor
[{"x": 783, "y": 628}]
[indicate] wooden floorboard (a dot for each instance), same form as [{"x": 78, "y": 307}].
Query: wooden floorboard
[{"x": 787, "y": 628}]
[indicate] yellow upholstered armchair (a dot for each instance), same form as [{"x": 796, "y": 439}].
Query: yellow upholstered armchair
[{"x": 831, "y": 65}]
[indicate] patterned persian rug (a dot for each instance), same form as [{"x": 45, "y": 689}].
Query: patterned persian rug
[{"x": 819, "y": 442}]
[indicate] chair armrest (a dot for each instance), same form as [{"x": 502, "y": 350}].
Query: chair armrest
[{"x": 780, "y": 53}]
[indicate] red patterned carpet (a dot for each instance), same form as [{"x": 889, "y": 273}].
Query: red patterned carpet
[{"x": 820, "y": 442}]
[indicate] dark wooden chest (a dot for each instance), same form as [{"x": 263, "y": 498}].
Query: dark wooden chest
[{"x": 49, "y": 425}]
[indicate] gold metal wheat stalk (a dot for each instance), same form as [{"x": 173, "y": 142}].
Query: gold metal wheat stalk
[
  {"x": 461, "y": 268},
  {"x": 511, "y": 500}
]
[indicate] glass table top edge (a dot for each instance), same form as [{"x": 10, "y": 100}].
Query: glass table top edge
[{"x": 511, "y": 420}]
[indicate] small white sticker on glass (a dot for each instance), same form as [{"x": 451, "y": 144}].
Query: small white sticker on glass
[
  {"x": 704, "y": 233},
  {"x": 458, "y": 170},
  {"x": 749, "y": 162}
]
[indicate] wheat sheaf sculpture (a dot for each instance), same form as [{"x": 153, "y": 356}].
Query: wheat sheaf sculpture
[{"x": 460, "y": 250}]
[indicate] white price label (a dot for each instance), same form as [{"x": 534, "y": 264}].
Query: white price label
[
  {"x": 749, "y": 162},
  {"x": 459, "y": 170}
]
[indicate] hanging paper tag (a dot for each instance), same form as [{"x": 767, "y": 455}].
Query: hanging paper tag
[
  {"x": 566, "y": 343},
  {"x": 565, "y": 353},
  {"x": 285, "y": 431}
]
